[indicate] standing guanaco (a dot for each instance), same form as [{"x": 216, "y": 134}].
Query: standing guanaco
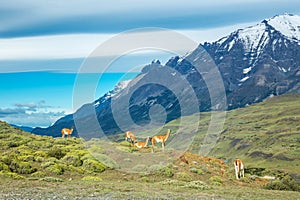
[
  {"x": 160, "y": 138},
  {"x": 239, "y": 168},
  {"x": 66, "y": 131}
]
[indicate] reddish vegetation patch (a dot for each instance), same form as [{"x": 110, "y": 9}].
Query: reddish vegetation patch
[{"x": 213, "y": 166}]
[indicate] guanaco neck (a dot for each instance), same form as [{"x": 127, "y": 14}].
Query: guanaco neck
[
  {"x": 147, "y": 140},
  {"x": 168, "y": 134}
]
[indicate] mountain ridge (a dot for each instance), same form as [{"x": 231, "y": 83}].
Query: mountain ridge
[{"x": 255, "y": 63}]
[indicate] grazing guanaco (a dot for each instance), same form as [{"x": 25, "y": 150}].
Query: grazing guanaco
[
  {"x": 129, "y": 135},
  {"x": 239, "y": 168},
  {"x": 160, "y": 138},
  {"x": 66, "y": 131},
  {"x": 141, "y": 145}
]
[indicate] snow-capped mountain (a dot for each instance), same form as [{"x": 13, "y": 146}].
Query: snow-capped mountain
[
  {"x": 255, "y": 63},
  {"x": 264, "y": 57}
]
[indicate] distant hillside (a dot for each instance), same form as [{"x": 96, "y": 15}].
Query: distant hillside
[
  {"x": 24, "y": 128},
  {"x": 265, "y": 135}
]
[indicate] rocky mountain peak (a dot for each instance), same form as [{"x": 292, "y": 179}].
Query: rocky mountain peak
[{"x": 255, "y": 63}]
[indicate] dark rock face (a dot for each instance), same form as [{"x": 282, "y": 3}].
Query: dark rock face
[{"x": 255, "y": 63}]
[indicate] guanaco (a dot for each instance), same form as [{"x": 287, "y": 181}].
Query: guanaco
[
  {"x": 239, "y": 168},
  {"x": 160, "y": 138},
  {"x": 66, "y": 131},
  {"x": 141, "y": 145},
  {"x": 129, "y": 135}
]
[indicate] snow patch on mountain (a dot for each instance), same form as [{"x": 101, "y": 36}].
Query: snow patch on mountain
[
  {"x": 253, "y": 36},
  {"x": 288, "y": 25}
]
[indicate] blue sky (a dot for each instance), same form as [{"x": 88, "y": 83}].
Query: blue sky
[{"x": 57, "y": 36}]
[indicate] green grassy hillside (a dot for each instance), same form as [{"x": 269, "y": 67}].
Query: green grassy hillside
[{"x": 265, "y": 135}]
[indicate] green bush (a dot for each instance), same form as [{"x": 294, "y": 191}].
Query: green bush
[
  {"x": 125, "y": 143},
  {"x": 80, "y": 170},
  {"x": 55, "y": 169},
  {"x": 7, "y": 159},
  {"x": 47, "y": 163},
  {"x": 51, "y": 179},
  {"x": 286, "y": 183},
  {"x": 183, "y": 176},
  {"x": 40, "y": 154},
  {"x": 56, "y": 153},
  {"x": 93, "y": 165},
  {"x": 166, "y": 171},
  {"x": 3, "y": 167},
  {"x": 197, "y": 171},
  {"x": 11, "y": 175},
  {"x": 72, "y": 160},
  {"x": 38, "y": 174},
  {"x": 197, "y": 185},
  {"x": 12, "y": 144},
  {"x": 21, "y": 167},
  {"x": 215, "y": 180},
  {"x": 27, "y": 158},
  {"x": 106, "y": 160},
  {"x": 39, "y": 159}
]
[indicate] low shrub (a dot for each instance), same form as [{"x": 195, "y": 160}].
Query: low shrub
[
  {"x": 51, "y": 179},
  {"x": 11, "y": 175},
  {"x": 93, "y": 165},
  {"x": 125, "y": 143},
  {"x": 215, "y": 180},
  {"x": 21, "y": 167},
  {"x": 286, "y": 183},
  {"x": 72, "y": 160},
  {"x": 56, "y": 153},
  {"x": 106, "y": 160},
  {"x": 40, "y": 153},
  {"x": 27, "y": 158},
  {"x": 39, "y": 159},
  {"x": 12, "y": 144},
  {"x": 161, "y": 170},
  {"x": 197, "y": 185},
  {"x": 55, "y": 169},
  {"x": 91, "y": 178},
  {"x": 3, "y": 167},
  {"x": 166, "y": 171},
  {"x": 155, "y": 167},
  {"x": 183, "y": 176},
  {"x": 38, "y": 174},
  {"x": 197, "y": 171}
]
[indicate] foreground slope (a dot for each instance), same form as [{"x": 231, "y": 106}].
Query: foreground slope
[{"x": 38, "y": 167}]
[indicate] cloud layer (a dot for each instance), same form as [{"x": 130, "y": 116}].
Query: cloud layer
[
  {"x": 31, "y": 18},
  {"x": 31, "y": 114}
]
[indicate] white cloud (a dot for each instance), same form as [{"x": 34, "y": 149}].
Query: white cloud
[
  {"x": 50, "y": 47},
  {"x": 32, "y": 114},
  {"x": 81, "y": 45}
]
